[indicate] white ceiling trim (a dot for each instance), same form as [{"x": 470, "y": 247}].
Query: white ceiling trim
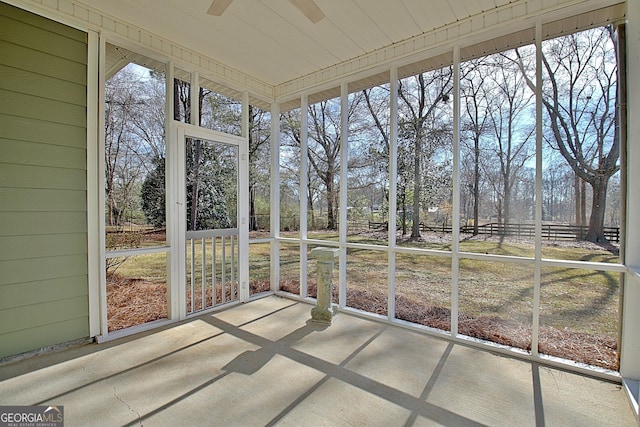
[
  {"x": 497, "y": 22},
  {"x": 492, "y": 23}
]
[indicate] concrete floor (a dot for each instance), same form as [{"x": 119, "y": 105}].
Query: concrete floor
[{"x": 263, "y": 364}]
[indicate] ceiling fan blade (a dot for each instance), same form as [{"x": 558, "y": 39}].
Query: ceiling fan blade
[
  {"x": 218, "y": 7},
  {"x": 310, "y": 9}
]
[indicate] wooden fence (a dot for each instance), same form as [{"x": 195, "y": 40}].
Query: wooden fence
[{"x": 549, "y": 231}]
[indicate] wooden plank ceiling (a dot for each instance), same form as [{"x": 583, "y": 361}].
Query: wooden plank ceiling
[{"x": 274, "y": 43}]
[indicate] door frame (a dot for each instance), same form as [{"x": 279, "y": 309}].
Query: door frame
[{"x": 178, "y": 293}]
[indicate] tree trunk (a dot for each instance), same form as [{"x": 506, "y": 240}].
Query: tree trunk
[
  {"x": 576, "y": 191},
  {"x": 331, "y": 220},
  {"x": 476, "y": 184},
  {"x": 194, "y": 186},
  {"x": 253, "y": 220},
  {"x": 506, "y": 204},
  {"x": 583, "y": 202},
  {"x": 176, "y": 100},
  {"x": 404, "y": 214},
  {"x": 596, "y": 220},
  {"x": 415, "y": 228},
  {"x": 310, "y": 203}
]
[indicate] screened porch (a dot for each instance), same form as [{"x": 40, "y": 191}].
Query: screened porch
[
  {"x": 470, "y": 163},
  {"x": 495, "y": 237}
]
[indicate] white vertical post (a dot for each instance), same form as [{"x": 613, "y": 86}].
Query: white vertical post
[
  {"x": 234, "y": 289},
  {"x": 275, "y": 197},
  {"x": 203, "y": 272},
  {"x": 344, "y": 160},
  {"x": 535, "y": 320},
  {"x": 104, "y": 328},
  {"x": 176, "y": 214},
  {"x": 223, "y": 268},
  {"x": 95, "y": 134},
  {"x": 192, "y": 283},
  {"x": 304, "y": 192},
  {"x": 629, "y": 359},
  {"x": 393, "y": 189},
  {"x": 455, "y": 220},
  {"x": 214, "y": 241},
  {"x": 243, "y": 204},
  {"x": 194, "y": 103}
]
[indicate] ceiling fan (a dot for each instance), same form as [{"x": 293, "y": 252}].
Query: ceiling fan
[{"x": 308, "y": 8}]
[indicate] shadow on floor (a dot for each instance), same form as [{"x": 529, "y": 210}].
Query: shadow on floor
[{"x": 264, "y": 363}]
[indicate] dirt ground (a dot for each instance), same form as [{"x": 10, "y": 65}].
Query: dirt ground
[
  {"x": 584, "y": 348},
  {"x": 133, "y": 302}
]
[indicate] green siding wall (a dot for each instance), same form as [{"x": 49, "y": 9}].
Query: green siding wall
[{"x": 43, "y": 225}]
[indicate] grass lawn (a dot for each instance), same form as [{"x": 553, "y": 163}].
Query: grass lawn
[{"x": 492, "y": 295}]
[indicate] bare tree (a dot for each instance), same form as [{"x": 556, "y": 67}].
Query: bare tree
[
  {"x": 474, "y": 126},
  {"x": 126, "y": 152},
  {"x": 376, "y": 101},
  {"x": 324, "y": 152},
  {"x": 420, "y": 95},
  {"x": 367, "y": 173},
  {"x": 182, "y": 112},
  {"x": 580, "y": 98},
  {"x": 509, "y": 101},
  {"x": 290, "y": 157},
  {"x": 259, "y": 136}
]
